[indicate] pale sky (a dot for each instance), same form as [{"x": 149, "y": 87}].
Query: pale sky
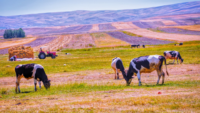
[{"x": 22, "y": 7}]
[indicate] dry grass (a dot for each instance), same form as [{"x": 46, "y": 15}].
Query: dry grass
[
  {"x": 57, "y": 43},
  {"x": 128, "y": 99},
  {"x": 15, "y": 42},
  {"x": 189, "y": 27},
  {"x": 105, "y": 40}
]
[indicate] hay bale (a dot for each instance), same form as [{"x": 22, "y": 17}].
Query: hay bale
[{"x": 21, "y": 52}]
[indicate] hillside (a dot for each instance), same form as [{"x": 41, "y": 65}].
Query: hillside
[{"x": 96, "y": 17}]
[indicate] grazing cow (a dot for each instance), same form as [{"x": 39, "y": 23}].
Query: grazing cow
[
  {"x": 29, "y": 71},
  {"x": 143, "y": 46},
  {"x": 117, "y": 66},
  {"x": 135, "y": 46},
  {"x": 180, "y": 44},
  {"x": 173, "y": 55},
  {"x": 146, "y": 64}
]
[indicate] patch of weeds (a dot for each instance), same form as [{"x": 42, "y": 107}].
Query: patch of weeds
[{"x": 131, "y": 34}]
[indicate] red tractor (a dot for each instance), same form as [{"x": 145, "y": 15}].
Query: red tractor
[{"x": 43, "y": 55}]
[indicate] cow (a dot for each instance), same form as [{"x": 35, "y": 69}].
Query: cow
[
  {"x": 135, "y": 46},
  {"x": 117, "y": 66},
  {"x": 143, "y": 46},
  {"x": 28, "y": 71},
  {"x": 146, "y": 64},
  {"x": 180, "y": 44},
  {"x": 173, "y": 55}
]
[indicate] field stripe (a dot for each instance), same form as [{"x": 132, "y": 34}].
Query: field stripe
[{"x": 164, "y": 36}]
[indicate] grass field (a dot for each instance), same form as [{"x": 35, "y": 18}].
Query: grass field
[
  {"x": 180, "y": 93},
  {"x": 100, "y": 58}
]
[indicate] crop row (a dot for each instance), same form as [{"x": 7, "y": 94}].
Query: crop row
[
  {"x": 149, "y": 24},
  {"x": 180, "y": 31},
  {"x": 137, "y": 40}
]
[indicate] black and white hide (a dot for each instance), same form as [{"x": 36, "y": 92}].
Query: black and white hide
[
  {"x": 146, "y": 64},
  {"x": 28, "y": 71},
  {"x": 117, "y": 66},
  {"x": 173, "y": 55}
]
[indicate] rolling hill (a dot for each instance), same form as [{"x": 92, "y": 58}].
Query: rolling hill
[{"x": 95, "y": 17}]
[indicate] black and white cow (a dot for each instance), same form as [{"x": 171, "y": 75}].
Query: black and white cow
[
  {"x": 117, "y": 66},
  {"x": 135, "y": 46},
  {"x": 146, "y": 64},
  {"x": 173, "y": 55},
  {"x": 28, "y": 71}
]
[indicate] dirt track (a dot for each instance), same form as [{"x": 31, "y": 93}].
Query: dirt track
[{"x": 177, "y": 72}]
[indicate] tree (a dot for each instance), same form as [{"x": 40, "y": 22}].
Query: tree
[{"x": 16, "y": 33}]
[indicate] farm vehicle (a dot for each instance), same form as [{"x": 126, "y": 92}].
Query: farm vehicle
[{"x": 43, "y": 55}]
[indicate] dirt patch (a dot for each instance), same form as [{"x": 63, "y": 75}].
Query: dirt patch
[
  {"x": 164, "y": 36},
  {"x": 95, "y": 27}
]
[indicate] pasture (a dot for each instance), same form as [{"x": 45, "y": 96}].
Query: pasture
[{"x": 86, "y": 83}]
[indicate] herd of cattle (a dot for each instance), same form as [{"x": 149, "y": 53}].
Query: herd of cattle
[{"x": 143, "y": 64}]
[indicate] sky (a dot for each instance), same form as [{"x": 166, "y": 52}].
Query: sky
[{"x": 22, "y": 7}]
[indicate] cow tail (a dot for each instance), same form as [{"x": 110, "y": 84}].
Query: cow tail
[{"x": 166, "y": 67}]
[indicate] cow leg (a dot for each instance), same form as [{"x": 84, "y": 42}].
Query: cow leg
[
  {"x": 17, "y": 83},
  {"x": 35, "y": 83},
  {"x": 163, "y": 77},
  {"x": 39, "y": 84},
  {"x": 159, "y": 75},
  {"x": 177, "y": 60},
  {"x": 173, "y": 61},
  {"x": 138, "y": 76},
  {"x": 115, "y": 74},
  {"x": 118, "y": 73}
]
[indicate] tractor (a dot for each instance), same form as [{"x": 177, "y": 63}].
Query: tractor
[{"x": 43, "y": 55}]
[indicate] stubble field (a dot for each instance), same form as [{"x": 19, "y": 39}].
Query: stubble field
[{"x": 86, "y": 83}]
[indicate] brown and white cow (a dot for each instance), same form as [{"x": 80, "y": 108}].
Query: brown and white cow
[
  {"x": 146, "y": 64},
  {"x": 117, "y": 66},
  {"x": 35, "y": 71},
  {"x": 173, "y": 55}
]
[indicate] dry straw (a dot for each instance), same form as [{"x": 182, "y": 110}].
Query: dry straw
[{"x": 21, "y": 52}]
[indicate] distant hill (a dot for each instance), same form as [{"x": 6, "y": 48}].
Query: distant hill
[{"x": 94, "y": 17}]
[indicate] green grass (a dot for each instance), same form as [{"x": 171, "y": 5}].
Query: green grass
[
  {"x": 100, "y": 58},
  {"x": 79, "y": 89},
  {"x": 166, "y": 103},
  {"x": 131, "y": 34},
  {"x": 156, "y": 30}
]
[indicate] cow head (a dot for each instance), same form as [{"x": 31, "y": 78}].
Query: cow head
[
  {"x": 129, "y": 75},
  {"x": 181, "y": 61},
  {"x": 47, "y": 84}
]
